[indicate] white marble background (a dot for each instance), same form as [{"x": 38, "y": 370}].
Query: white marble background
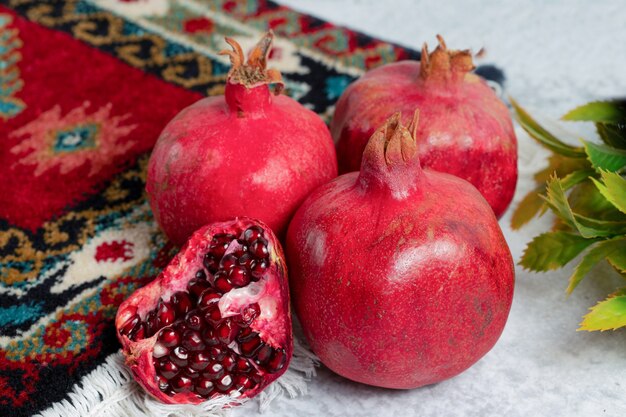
[{"x": 556, "y": 54}]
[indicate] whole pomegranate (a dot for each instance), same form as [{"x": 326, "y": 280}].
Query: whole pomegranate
[
  {"x": 469, "y": 131},
  {"x": 246, "y": 153},
  {"x": 216, "y": 321},
  {"x": 400, "y": 276}
]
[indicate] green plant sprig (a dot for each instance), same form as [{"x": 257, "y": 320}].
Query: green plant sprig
[{"x": 585, "y": 188}]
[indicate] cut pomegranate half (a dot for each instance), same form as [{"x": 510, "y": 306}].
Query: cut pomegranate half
[{"x": 216, "y": 322}]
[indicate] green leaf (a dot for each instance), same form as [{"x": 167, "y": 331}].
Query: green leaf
[
  {"x": 613, "y": 189},
  {"x": 587, "y": 227},
  {"x": 586, "y": 200},
  {"x": 541, "y": 135},
  {"x": 618, "y": 261},
  {"x": 599, "y": 111},
  {"x": 562, "y": 166},
  {"x": 605, "y": 157},
  {"x": 596, "y": 254},
  {"x": 553, "y": 250},
  {"x": 528, "y": 208},
  {"x": 612, "y": 134},
  {"x": 609, "y": 314},
  {"x": 576, "y": 177}
]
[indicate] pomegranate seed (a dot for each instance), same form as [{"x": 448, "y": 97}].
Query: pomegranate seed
[
  {"x": 263, "y": 355},
  {"x": 229, "y": 362},
  {"x": 248, "y": 261},
  {"x": 243, "y": 365},
  {"x": 163, "y": 384},
  {"x": 243, "y": 381},
  {"x": 227, "y": 331},
  {"x": 211, "y": 263},
  {"x": 216, "y": 353},
  {"x": 192, "y": 341},
  {"x": 204, "y": 386},
  {"x": 250, "y": 347},
  {"x": 207, "y": 298},
  {"x": 193, "y": 320},
  {"x": 180, "y": 356},
  {"x": 191, "y": 373},
  {"x": 246, "y": 334},
  {"x": 166, "y": 314},
  {"x": 151, "y": 323},
  {"x": 199, "y": 361},
  {"x": 224, "y": 382},
  {"x": 252, "y": 233},
  {"x": 228, "y": 262},
  {"x": 169, "y": 337},
  {"x": 238, "y": 276},
  {"x": 242, "y": 247},
  {"x": 180, "y": 383},
  {"x": 212, "y": 314},
  {"x": 208, "y": 335},
  {"x": 248, "y": 314},
  {"x": 214, "y": 371},
  {"x": 277, "y": 361},
  {"x": 258, "y": 269},
  {"x": 182, "y": 303},
  {"x": 196, "y": 287},
  {"x": 200, "y": 275},
  {"x": 159, "y": 350},
  {"x": 220, "y": 243},
  {"x": 259, "y": 248},
  {"x": 168, "y": 369},
  {"x": 138, "y": 332},
  {"x": 221, "y": 283},
  {"x": 130, "y": 325}
]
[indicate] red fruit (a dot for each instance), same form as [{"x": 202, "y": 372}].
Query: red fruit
[
  {"x": 468, "y": 133},
  {"x": 400, "y": 277},
  {"x": 245, "y": 153},
  {"x": 196, "y": 356}
]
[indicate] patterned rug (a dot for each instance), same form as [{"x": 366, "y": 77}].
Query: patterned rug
[{"x": 85, "y": 89}]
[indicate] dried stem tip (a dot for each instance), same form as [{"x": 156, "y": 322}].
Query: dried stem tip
[
  {"x": 444, "y": 64},
  {"x": 254, "y": 72}
]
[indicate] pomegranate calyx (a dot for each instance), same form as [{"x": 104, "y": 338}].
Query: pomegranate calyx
[
  {"x": 444, "y": 64},
  {"x": 254, "y": 72}
]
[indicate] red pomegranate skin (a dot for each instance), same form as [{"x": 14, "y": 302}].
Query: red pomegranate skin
[
  {"x": 247, "y": 153},
  {"x": 271, "y": 292},
  {"x": 400, "y": 276},
  {"x": 469, "y": 132}
]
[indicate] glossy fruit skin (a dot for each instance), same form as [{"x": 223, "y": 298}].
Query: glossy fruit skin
[
  {"x": 274, "y": 328},
  {"x": 469, "y": 132},
  {"x": 400, "y": 277},
  {"x": 247, "y": 153}
]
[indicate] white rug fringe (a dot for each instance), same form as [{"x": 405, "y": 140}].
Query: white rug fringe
[{"x": 110, "y": 391}]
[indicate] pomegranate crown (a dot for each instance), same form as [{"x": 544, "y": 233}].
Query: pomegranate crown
[
  {"x": 254, "y": 72},
  {"x": 393, "y": 141},
  {"x": 444, "y": 64}
]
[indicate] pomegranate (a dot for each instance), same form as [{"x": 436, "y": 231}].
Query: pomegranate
[
  {"x": 400, "y": 276},
  {"x": 469, "y": 131},
  {"x": 242, "y": 154},
  {"x": 216, "y": 321}
]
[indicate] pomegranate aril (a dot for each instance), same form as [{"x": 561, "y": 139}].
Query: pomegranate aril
[
  {"x": 221, "y": 284},
  {"x": 151, "y": 323},
  {"x": 200, "y": 275},
  {"x": 229, "y": 362},
  {"x": 159, "y": 350},
  {"x": 252, "y": 233},
  {"x": 182, "y": 303},
  {"x": 248, "y": 261},
  {"x": 243, "y": 365},
  {"x": 246, "y": 334},
  {"x": 243, "y": 381},
  {"x": 192, "y": 341},
  {"x": 181, "y": 383},
  {"x": 259, "y": 269},
  {"x": 130, "y": 325},
  {"x": 224, "y": 382},
  {"x": 191, "y": 373},
  {"x": 138, "y": 332},
  {"x": 208, "y": 335},
  {"x": 212, "y": 314},
  {"x": 220, "y": 243},
  {"x": 228, "y": 262},
  {"x": 242, "y": 247},
  {"x": 217, "y": 353},
  {"x": 248, "y": 314},
  {"x": 168, "y": 369},
  {"x": 238, "y": 276},
  {"x": 214, "y": 371},
  {"x": 263, "y": 355},
  {"x": 194, "y": 320},
  {"x": 277, "y": 361},
  {"x": 169, "y": 337},
  {"x": 197, "y": 287},
  {"x": 259, "y": 248},
  {"x": 207, "y": 298},
  {"x": 211, "y": 263},
  {"x": 165, "y": 314},
  {"x": 226, "y": 332},
  {"x": 199, "y": 361},
  {"x": 249, "y": 348},
  {"x": 204, "y": 386},
  {"x": 180, "y": 356},
  {"x": 163, "y": 383}
]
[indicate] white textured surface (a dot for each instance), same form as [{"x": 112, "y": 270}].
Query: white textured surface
[{"x": 556, "y": 55}]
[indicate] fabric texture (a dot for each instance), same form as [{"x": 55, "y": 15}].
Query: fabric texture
[{"x": 85, "y": 89}]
